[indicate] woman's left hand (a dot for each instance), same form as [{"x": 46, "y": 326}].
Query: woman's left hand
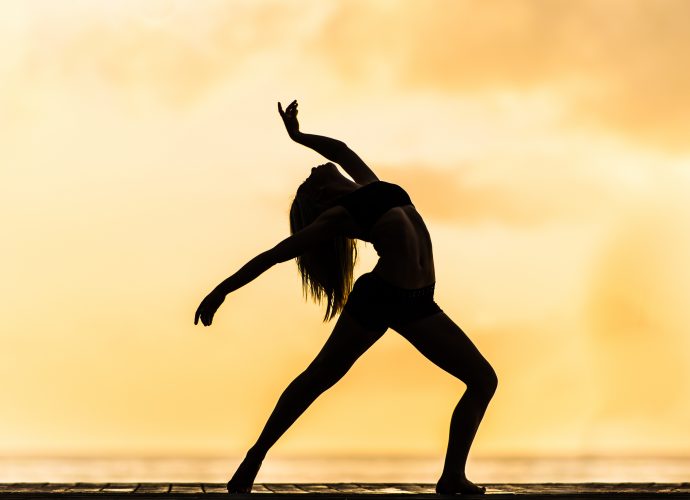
[
  {"x": 208, "y": 308},
  {"x": 289, "y": 117}
]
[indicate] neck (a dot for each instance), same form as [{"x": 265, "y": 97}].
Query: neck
[
  {"x": 344, "y": 188},
  {"x": 333, "y": 191}
]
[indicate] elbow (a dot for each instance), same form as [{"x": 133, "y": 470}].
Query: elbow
[
  {"x": 274, "y": 256},
  {"x": 339, "y": 152},
  {"x": 267, "y": 259}
]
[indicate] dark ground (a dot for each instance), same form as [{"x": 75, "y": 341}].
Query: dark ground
[{"x": 142, "y": 491}]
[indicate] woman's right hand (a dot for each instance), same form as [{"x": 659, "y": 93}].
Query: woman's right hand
[
  {"x": 208, "y": 308},
  {"x": 289, "y": 117}
]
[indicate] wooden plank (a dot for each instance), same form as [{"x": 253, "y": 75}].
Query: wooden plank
[
  {"x": 318, "y": 488},
  {"x": 380, "y": 487},
  {"x": 283, "y": 488},
  {"x": 346, "y": 487},
  {"x": 87, "y": 487},
  {"x": 7, "y": 487},
  {"x": 153, "y": 488},
  {"x": 56, "y": 487},
  {"x": 259, "y": 488},
  {"x": 393, "y": 490},
  {"x": 418, "y": 488},
  {"x": 120, "y": 488},
  {"x": 215, "y": 487},
  {"x": 677, "y": 488},
  {"x": 187, "y": 488},
  {"x": 23, "y": 487}
]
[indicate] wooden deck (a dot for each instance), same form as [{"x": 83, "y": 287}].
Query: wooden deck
[{"x": 142, "y": 491}]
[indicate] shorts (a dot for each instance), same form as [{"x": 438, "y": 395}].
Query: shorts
[{"x": 378, "y": 305}]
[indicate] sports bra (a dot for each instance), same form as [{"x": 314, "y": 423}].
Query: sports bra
[{"x": 368, "y": 203}]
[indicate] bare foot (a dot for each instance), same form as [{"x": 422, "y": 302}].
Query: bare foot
[
  {"x": 458, "y": 486},
  {"x": 243, "y": 479}
]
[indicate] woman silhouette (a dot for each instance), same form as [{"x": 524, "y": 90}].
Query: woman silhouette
[{"x": 328, "y": 214}]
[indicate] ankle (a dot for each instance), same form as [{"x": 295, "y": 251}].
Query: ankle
[{"x": 456, "y": 474}]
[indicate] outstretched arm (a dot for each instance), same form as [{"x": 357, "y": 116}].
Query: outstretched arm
[
  {"x": 332, "y": 149},
  {"x": 247, "y": 273},
  {"x": 326, "y": 226}
]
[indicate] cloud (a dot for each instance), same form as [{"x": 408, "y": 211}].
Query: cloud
[
  {"x": 620, "y": 64},
  {"x": 174, "y": 53},
  {"x": 616, "y": 64},
  {"x": 636, "y": 311},
  {"x": 533, "y": 198}
]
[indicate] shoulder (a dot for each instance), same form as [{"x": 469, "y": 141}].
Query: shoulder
[{"x": 338, "y": 220}]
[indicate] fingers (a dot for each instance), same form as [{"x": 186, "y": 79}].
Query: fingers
[
  {"x": 292, "y": 108},
  {"x": 204, "y": 315},
  {"x": 290, "y": 111}
]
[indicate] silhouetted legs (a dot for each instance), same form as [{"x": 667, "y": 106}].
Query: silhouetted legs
[
  {"x": 446, "y": 345},
  {"x": 347, "y": 342},
  {"x": 439, "y": 340}
]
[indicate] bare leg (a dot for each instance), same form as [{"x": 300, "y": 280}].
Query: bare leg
[
  {"x": 347, "y": 342},
  {"x": 446, "y": 345}
]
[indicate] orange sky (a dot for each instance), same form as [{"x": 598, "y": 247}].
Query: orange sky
[{"x": 143, "y": 161}]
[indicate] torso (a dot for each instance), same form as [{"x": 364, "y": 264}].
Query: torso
[{"x": 403, "y": 244}]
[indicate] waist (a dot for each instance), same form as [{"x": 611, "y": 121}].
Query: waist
[{"x": 401, "y": 292}]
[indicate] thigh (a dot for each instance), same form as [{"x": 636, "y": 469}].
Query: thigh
[
  {"x": 444, "y": 343},
  {"x": 369, "y": 303},
  {"x": 347, "y": 342}
]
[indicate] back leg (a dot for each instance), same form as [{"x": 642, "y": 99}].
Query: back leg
[
  {"x": 348, "y": 341},
  {"x": 444, "y": 343}
]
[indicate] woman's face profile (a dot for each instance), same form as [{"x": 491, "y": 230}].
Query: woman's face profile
[
  {"x": 320, "y": 176},
  {"x": 323, "y": 173}
]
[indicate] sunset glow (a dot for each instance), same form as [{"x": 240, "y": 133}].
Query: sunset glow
[{"x": 142, "y": 161}]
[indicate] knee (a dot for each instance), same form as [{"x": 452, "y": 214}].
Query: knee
[
  {"x": 492, "y": 380},
  {"x": 484, "y": 383}
]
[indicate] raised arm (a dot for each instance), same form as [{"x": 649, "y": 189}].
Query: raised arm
[
  {"x": 332, "y": 149},
  {"x": 326, "y": 226}
]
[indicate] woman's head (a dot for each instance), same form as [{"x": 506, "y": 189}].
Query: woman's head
[
  {"x": 326, "y": 269},
  {"x": 323, "y": 184}
]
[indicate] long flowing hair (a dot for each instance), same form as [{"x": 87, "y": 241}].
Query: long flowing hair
[{"x": 326, "y": 269}]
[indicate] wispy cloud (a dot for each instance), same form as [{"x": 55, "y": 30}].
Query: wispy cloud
[
  {"x": 173, "y": 52},
  {"x": 620, "y": 64},
  {"x": 543, "y": 196}
]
